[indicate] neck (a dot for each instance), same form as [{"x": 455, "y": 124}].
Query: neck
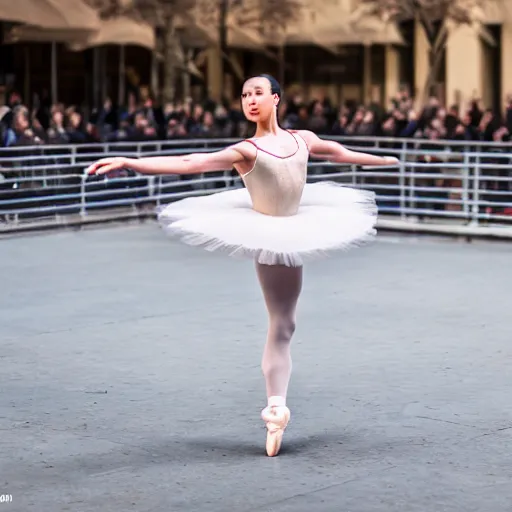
[{"x": 268, "y": 127}]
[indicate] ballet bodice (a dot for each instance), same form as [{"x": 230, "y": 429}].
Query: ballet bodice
[{"x": 275, "y": 183}]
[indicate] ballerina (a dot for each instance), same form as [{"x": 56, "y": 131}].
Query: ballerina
[{"x": 277, "y": 219}]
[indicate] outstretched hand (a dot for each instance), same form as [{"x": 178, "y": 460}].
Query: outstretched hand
[
  {"x": 107, "y": 165},
  {"x": 391, "y": 160}
]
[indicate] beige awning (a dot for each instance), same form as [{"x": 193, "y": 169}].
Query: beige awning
[
  {"x": 30, "y": 34},
  {"x": 372, "y": 30},
  {"x": 118, "y": 31},
  {"x": 197, "y": 30},
  {"x": 332, "y": 25},
  {"x": 50, "y": 14},
  {"x": 244, "y": 37},
  {"x": 497, "y": 12},
  {"x": 192, "y": 35},
  {"x": 490, "y": 12}
]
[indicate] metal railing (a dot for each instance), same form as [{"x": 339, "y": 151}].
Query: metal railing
[{"x": 454, "y": 184}]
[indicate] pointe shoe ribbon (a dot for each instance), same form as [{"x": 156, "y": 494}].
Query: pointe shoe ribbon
[{"x": 276, "y": 417}]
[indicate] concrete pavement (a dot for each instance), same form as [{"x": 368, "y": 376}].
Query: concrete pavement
[{"x": 130, "y": 379}]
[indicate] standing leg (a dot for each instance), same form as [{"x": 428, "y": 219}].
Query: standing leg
[{"x": 281, "y": 288}]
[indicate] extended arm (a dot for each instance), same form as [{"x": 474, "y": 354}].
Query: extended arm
[
  {"x": 194, "y": 163},
  {"x": 335, "y": 152}
]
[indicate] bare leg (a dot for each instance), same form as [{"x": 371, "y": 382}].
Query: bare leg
[{"x": 281, "y": 288}]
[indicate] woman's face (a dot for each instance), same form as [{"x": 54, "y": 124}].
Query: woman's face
[
  {"x": 58, "y": 118},
  {"x": 258, "y": 102}
]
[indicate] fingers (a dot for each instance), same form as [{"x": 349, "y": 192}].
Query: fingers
[
  {"x": 96, "y": 165},
  {"x": 391, "y": 160},
  {"x": 104, "y": 166},
  {"x": 91, "y": 169},
  {"x": 105, "y": 169}
]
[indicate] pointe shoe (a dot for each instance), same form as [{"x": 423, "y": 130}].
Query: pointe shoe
[{"x": 276, "y": 419}]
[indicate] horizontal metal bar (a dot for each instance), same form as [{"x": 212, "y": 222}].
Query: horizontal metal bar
[
  {"x": 427, "y": 212},
  {"x": 137, "y": 191},
  {"x": 36, "y": 185},
  {"x": 378, "y": 141}
]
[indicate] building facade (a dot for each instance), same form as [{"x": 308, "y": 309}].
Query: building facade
[{"x": 472, "y": 67}]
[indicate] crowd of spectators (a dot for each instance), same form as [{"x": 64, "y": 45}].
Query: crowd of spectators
[{"x": 142, "y": 120}]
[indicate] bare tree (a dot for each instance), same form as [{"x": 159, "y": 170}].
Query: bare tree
[
  {"x": 274, "y": 16},
  {"x": 437, "y": 17},
  {"x": 265, "y": 14},
  {"x": 260, "y": 16},
  {"x": 162, "y": 15}
]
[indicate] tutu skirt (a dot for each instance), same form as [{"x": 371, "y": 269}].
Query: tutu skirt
[{"x": 331, "y": 217}]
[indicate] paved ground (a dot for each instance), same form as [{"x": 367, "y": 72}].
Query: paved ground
[{"x": 130, "y": 379}]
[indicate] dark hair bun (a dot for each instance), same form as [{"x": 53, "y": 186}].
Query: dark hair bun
[{"x": 274, "y": 84}]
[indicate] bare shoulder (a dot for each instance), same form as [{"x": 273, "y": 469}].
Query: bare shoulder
[
  {"x": 318, "y": 147},
  {"x": 248, "y": 153},
  {"x": 246, "y": 148},
  {"x": 237, "y": 153},
  {"x": 309, "y": 137}
]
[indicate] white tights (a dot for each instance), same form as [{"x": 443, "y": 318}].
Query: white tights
[{"x": 281, "y": 288}]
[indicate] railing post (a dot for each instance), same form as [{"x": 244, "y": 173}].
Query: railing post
[
  {"x": 401, "y": 179},
  {"x": 475, "y": 200},
  {"x": 465, "y": 183},
  {"x": 153, "y": 196},
  {"x": 83, "y": 204},
  {"x": 412, "y": 183}
]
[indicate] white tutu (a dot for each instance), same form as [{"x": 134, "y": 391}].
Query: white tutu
[{"x": 330, "y": 217}]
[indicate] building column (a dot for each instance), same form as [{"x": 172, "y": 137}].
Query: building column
[
  {"x": 506, "y": 68},
  {"x": 367, "y": 74},
  {"x": 464, "y": 66},
  {"x": 421, "y": 59},
  {"x": 392, "y": 74},
  {"x": 487, "y": 77},
  {"x": 214, "y": 73}
]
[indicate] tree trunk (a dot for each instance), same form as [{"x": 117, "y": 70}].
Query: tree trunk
[
  {"x": 168, "y": 92},
  {"x": 228, "y": 66},
  {"x": 435, "y": 60},
  {"x": 437, "y": 39},
  {"x": 155, "y": 76},
  {"x": 282, "y": 66},
  {"x": 186, "y": 80},
  {"x": 223, "y": 39}
]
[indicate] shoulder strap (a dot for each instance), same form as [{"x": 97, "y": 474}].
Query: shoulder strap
[
  {"x": 251, "y": 142},
  {"x": 295, "y": 132}
]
